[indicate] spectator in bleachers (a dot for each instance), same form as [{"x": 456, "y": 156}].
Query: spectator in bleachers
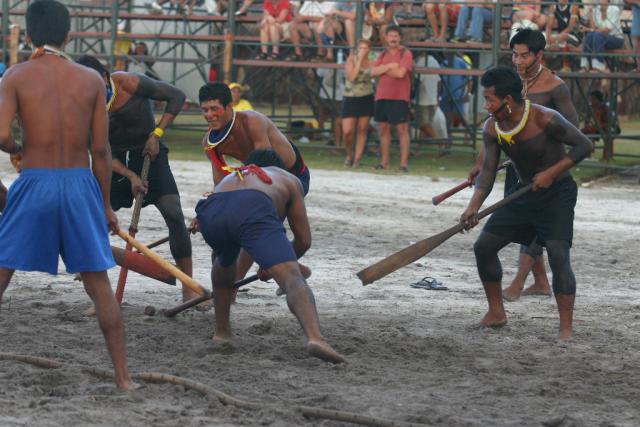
[
  {"x": 246, "y": 4},
  {"x": 338, "y": 21},
  {"x": 528, "y": 14},
  {"x": 446, "y": 12},
  {"x": 428, "y": 111},
  {"x": 479, "y": 15},
  {"x": 237, "y": 102},
  {"x": 393, "y": 95},
  {"x": 146, "y": 67},
  {"x": 377, "y": 16},
  {"x": 307, "y": 22},
  {"x": 603, "y": 33},
  {"x": 562, "y": 22},
  {"x": 357, "y": 104},
  {"x": 455, "y": 92},
  {"x": 274, "y": 26},
  {"x": 635, "y": 30},
  {"x": 331, "y": 92},
  {"x": 600, "y": 119}
]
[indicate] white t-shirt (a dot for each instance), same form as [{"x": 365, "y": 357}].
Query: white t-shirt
[
  {"x": 428, "y": 93},
  {"x": 317, "y": 8},
  {"x": 326, "y": 76}
]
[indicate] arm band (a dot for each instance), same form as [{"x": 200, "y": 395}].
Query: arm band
[{"x": 159, "y": 132}]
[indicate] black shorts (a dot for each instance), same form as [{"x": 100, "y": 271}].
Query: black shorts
[
  {"x": 392, "y": 111},
  {"x": 357, "y": 106},
  {"x": 161, "y": 181},
  {"x": 511, "y": 180},
  {"x": 546, "y": 214}
]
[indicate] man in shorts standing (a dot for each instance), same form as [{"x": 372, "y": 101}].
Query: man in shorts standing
[
  {"x": 57, "y": 206},
  {"x": 393, "y": 95}
]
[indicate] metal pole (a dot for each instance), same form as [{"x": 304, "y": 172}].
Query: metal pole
[
  {"x": 5, "y": 27},
  {"x": 497, "y": 30},
  {"x": 359, "y": 18},
  {"x": 115, "y": 7}
]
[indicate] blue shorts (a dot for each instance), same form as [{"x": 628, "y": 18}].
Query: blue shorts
[
  {"x": 244, "y": 219},
  {"x": 305, "y": 179},
  {"x": 53, "y": 212},
  {"x": 635, "y": 21}
]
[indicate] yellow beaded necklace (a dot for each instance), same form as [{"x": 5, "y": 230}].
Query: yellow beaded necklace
[{"x": 508, "y": 136}]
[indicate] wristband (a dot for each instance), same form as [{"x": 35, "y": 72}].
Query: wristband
[{"x": 159, "y": 132}]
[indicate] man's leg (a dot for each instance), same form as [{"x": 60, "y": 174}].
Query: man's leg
[
  {"x": 110, "y": 320},
  {"x": 486, "y": 250},
  {"x": 302, "y": 304},
  {"x": 179, "y": 239},
  {"x": 564, "y": 284},
  {"x": 222, "y": 279},
  {"x": 385, "y": 143},
  {"x": 405, "y": 143},
  {"x": 5, "y": 278},
  {"x": 531, "y": 259}
]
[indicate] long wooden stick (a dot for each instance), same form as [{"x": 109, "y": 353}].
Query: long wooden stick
[
  {"x": 419, "y": 249},
  {"x": 436, "y": 200},
  {"x": 176, "y": 272},
  {"x": 133, "y": 227},
  {"x": 195, "y": 301}
]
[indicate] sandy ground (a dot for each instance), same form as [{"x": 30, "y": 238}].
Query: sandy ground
[{"x": 414, "y": 355}]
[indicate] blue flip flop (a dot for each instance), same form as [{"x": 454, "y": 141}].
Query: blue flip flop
[{"x": 429, "y": 283}]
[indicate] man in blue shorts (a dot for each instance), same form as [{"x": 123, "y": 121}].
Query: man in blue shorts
[
  {"x": 58, "y": 206},
  {"x": 246, "y": 211}
]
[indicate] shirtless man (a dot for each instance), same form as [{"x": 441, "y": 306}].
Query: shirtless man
[
  {"x": 57, "y": 206},
  {"x": 246, "y": 211},
  {"x": 3, "y": 196},
  {"x": 237, "y": 134},
  {"x": 533, "y": 137},
  {"x": 133, "y": 133},
  {"x": 543, "y": 87}
]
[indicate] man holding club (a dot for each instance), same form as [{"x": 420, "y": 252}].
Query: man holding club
[
  {"x": 57, "y": 206},
  {"x": 246, "y": 211},
  {"x": 533, "y": 137}
]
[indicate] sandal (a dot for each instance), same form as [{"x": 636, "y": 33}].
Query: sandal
[
  {"x": 261, "y": 56},
  {"x": 273, "y": 56},
  {"x": 319, "y": 58},
  {"x": 294, "y": 57},
  {"x": 429, "y": 283},
  {"x": 380, "y": 166}
]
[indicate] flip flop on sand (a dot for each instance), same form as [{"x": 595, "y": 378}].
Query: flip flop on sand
[{"x": 429, "y": 283}]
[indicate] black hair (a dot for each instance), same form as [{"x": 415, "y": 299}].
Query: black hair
[
  {"x": 534, "y": 40},
  {"x": 212, "y": 91},
  {"x": 393, "y": 27},
  {"x": 48, "y": 22},
  {"x": 597, "y": 95},
  {"x": 91, "y": 62},
  {"x": 265, "y": 158},
  {"x": 505, "y": 81}
]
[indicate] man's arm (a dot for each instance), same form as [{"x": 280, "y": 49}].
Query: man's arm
[
  {"x": 561, "y": 98},
  {"x": 101, "y": 152},
  {"x": 298, "y": 220},
  {"x": 158, "y": 91},
  {"x": 136, "y": 182},
  {"x": 8, "y": 110},
  {"x": 567, "y": 134},
  {"x": 486, "y": 179},
  {"x": 405, "y": 66}
]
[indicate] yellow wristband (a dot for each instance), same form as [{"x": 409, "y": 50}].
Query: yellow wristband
[{"x": 159, "y": 132}]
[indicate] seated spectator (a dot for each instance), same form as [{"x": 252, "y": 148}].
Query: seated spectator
[
  {"x": 377, "y": 16},
  {"x": 427, "y": 109},
  {"x": 479, "y": 15},
  {"x": 445, "y": 13},
  {"x": 246, "y": 4},
  {"x": 598, "y": 121},
  {"x": 146, "y": 67},
  {"x": 527, "y": 14},
  {"x": 237, "y": 103},
  {"x": 274, "y": 27},
  {"x": 306, "y": 25},
  {"x": 603, "y": 33},
  {"x": 357, "y": 104},
  {"x": 339, "y": 20},
  {"x": 562, "y": 22}
]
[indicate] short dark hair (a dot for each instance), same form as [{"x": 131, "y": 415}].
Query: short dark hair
[
  {"x": 264, "y": 158},
  {"x": 212, "y": 91},
  {"x": 395, "y": 28},
  {"x": 91, "y": 62},
  {"x": 534, "y": 39},
  {"x": 505, "y": 81},
  {"x": 597, "y": 95},
  {"x": 47, "y": 23}
]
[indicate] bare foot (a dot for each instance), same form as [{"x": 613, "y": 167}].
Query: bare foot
[
  {"x": 91, "y": 311},
  {"x": 565, "y": 334},
  {"x": 493, "y": 320},
  {"x": 128, "y": 385},
  {"x": 512, "y": 293},
  {"x": 322, "y": 350},
  {"x": 188, "y": 295},
  {"x": 537, "y": 289}
]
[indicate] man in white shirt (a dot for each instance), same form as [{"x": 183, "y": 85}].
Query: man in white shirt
[{"x": 430, "y": 118}]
